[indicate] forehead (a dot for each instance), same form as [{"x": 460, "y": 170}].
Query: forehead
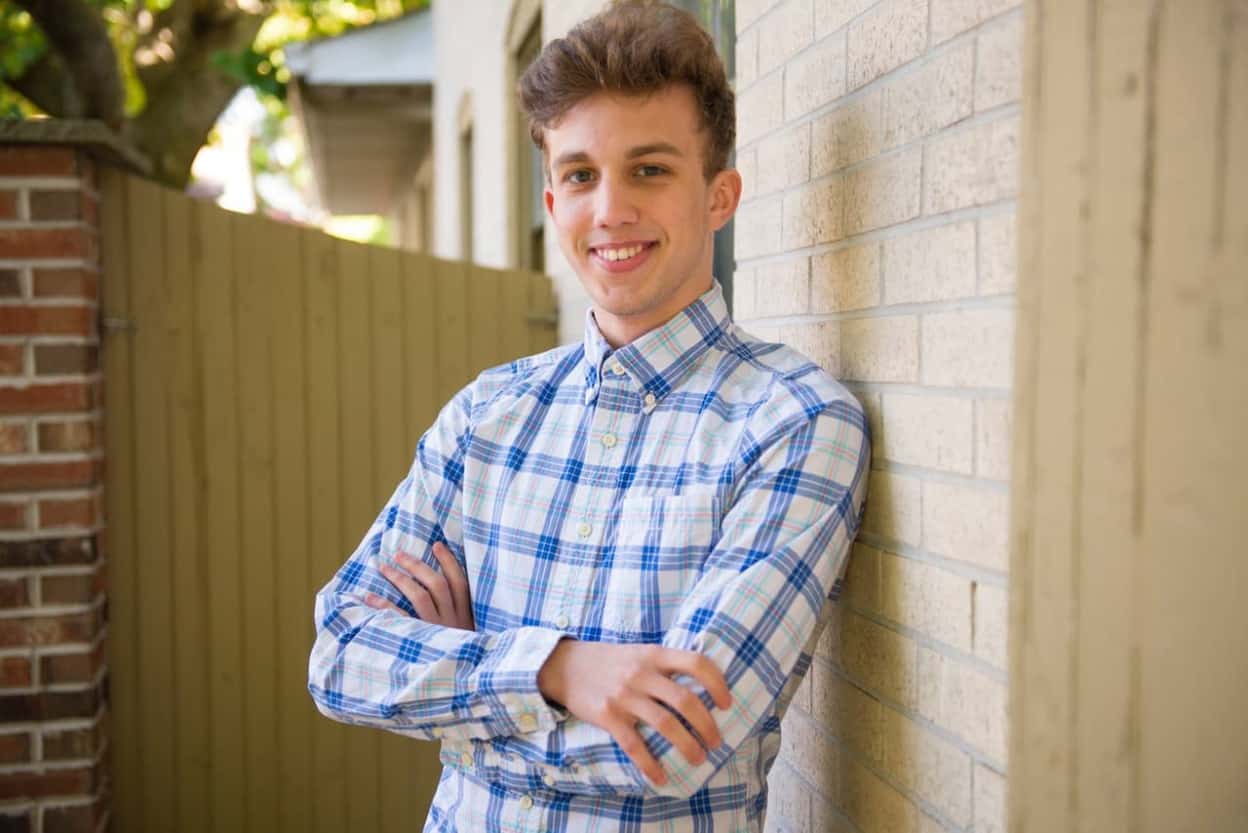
[{"x": 607, "y": 124}]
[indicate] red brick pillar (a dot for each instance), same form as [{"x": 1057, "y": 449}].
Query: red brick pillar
[{"x": 53, "y": 680}]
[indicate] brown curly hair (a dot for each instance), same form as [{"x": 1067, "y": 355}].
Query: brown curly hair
[{"x": 634, "y": 47}]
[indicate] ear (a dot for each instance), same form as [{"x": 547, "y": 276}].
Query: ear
[
  {"x": 548, "y": 197},
  {"x": 725, "y": 195}
]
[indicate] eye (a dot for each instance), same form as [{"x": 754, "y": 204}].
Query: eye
[
  {"x": 651, "y": 170},
  {"x": 578, "y": 176}
]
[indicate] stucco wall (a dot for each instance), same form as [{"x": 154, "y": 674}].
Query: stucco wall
[{"x": 471, "y": 61}]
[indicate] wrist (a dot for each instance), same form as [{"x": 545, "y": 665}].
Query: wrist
[{"x": 550, "y": 675}]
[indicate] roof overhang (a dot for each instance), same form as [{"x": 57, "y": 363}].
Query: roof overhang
[{"x": 365, "y": 101}]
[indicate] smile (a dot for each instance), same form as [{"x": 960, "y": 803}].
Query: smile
[{"x": 621, "y": 257}]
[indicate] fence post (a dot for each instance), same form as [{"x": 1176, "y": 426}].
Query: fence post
[{"x": 53, "y": 555}]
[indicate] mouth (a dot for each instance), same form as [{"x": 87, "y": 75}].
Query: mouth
[{"x": 622, "y": 257}]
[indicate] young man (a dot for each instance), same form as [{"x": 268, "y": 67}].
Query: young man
[{"x": 600, "y": 582}]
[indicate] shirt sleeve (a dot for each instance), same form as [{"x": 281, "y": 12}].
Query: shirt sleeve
[
  {"x": 393, "y": 671},
  {"x": 755, "y": 608}
]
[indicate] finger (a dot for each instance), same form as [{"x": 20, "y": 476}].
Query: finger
[
  {"x": 631, "y": 743},
  {"x": 432, "y": 581},
  {"x": 455, "y": 577},
  {"x": 417, "y": 595},
  {"x": 674, "y": 660},
  {"x": 688, "y": 705},
  {"x": 667, "y": 725},
  {"x": 382, "y": 603}
]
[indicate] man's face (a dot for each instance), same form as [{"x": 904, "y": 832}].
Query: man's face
[{"x": 633, "y": 210}]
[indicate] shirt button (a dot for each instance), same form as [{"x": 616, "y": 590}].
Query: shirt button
[
  {"x": 548, "y": 780},
  {"x": 616, "y": 368},
  {"x": 583, "y": 529},
  {"x": 608, "y": 440},
  {"x": 466, "y": 759},
  {"x": 436, "y": 732},
  {"x": 525, "y": 802},
  {"x": 528, "y": 723},
  {"x": 649, "y": 400},
  {"x": 562, "y": 621}
]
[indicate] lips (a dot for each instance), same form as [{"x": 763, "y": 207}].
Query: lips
[{"x": 621, "y": 257}]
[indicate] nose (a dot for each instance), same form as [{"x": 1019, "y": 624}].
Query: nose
[{"x": 614, "y": 204}]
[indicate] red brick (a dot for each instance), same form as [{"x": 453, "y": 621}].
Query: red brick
[
  {"x": 16, "y": 820},
  {"x": 75, "y": 242},
  {"x": 66, "y": 283},
  {"x": 90, "y": 210},
  {"x": 61, "y": 204},
  {"x": 73, "y": 818},
  {"x": 66, "y": 782},
  {"x": 10, "y": 283},
  {"x": 14, "y": 749},
  {"x": 8, "y": 204},
  {"x": 11, "y": 359},
  {"x": 76, "y": 589},
  {"x": 21, "y": 320},
  {"x": 71, "y": 512},
  {"x": 51, "y": 552},
  {"x": 67, "y": 744},
  {"x": 68, "y": 668},
  {"x": 47, "y": 630},
  {"x": 14, "y": 672},
  {"x": 14, "y": 593},
  {"x": 43, "y": 398},
  {"x": 13, "y": 515},
  {"x": 22, "y": 477},
  {"x": 14, "y": 438},
  {"x": 68, "y": 435},
  {"x": 38, "y": 161},
  {"x": 52, "y": 359},
  {"x": 53, "y": 705}
]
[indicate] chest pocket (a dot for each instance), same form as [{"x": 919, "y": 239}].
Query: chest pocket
[{"x": 659, "y": 548}]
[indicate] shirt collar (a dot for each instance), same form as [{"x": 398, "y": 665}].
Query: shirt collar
[{"x": 661, "y": 358}]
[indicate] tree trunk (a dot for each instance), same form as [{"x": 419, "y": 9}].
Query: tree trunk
[{"x": 185, "y": 100}]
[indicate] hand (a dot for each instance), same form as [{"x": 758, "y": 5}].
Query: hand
[
  {"x": 617, "y": 686},
  {"x": 439, "y": 598}
]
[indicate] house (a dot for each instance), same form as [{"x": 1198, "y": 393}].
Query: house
[{"x": 365, "y": 102}]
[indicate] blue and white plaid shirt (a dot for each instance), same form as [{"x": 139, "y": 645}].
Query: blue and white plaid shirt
[{"x": 696, "y": 488}]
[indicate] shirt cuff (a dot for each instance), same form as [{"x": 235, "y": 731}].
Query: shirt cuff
[{"x": 525, "y": 705}]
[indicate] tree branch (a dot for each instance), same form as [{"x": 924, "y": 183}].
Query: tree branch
[
  {"x": 76, "y": 32},
  {"x": 47, "y": 84}
]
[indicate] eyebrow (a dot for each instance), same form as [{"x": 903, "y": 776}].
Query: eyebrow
[{"x": 633, "y": 153}]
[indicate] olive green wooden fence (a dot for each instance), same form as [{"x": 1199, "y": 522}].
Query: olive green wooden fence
[{"x": 266, "y": 386}]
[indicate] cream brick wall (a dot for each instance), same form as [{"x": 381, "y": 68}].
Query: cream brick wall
[{"x": 879, "y": 146}]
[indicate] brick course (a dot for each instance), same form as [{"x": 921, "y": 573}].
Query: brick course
[
  {"x": 53, "y": 681},
  {"x": 877, "y": 235}
]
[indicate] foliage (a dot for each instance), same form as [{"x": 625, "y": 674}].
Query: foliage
[{"x": 145, "y": 46}]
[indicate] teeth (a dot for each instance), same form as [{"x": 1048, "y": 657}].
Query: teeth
[{"x": 619, "y": 254}]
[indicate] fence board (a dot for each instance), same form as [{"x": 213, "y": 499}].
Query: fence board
[
  {"x": 321, "y": 274},
  {"x": 190, "y": 570},
  {"x": 267, "y": 402},
  {"x": 118, "y": 448},
  {"x": 214, "y": 308},
  {"x": 390, "y": 462},
  {"x": 356, "y": 404},
  {"x": 419, "y": 346},
  {"x": 514, "y": 296},
  {"x": 151, "y": 460},
  {"x": 485, "y": 318},
  {"x": 451, "y": 293},
  {"x": 296, "y": 580},
  {"x": 253, "y": 306}
]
